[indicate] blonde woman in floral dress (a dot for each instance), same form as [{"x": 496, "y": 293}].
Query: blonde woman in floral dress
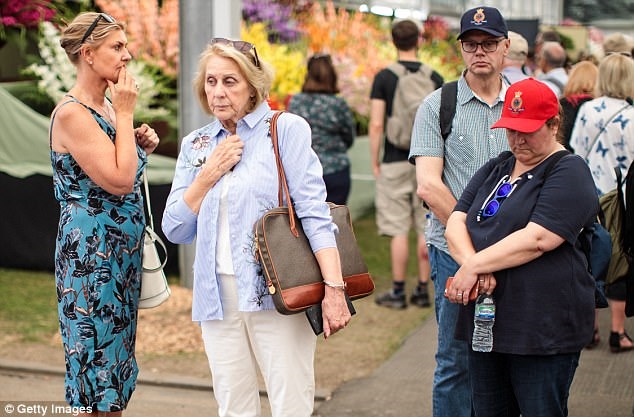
[{"x": 98, "y": 157}]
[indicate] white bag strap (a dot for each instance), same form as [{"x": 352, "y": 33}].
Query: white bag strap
[
  {"x": 148, "y": 205},
  {"x": 149, "y": 228}
]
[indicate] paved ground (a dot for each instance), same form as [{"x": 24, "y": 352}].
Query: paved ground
[{"x": 603, "y": 386}]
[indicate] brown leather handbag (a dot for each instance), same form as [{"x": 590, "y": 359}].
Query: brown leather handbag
[{"x": 292, "y": 273}]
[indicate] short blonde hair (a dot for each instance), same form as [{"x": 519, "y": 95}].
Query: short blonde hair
[
  {"x": 582, "y": 79},
  {"x": 260, "y": 78},
  {"x": 616, "y": 77},
  {"x": 71, "y": 39},
  {"x": 618, "y": 43}
]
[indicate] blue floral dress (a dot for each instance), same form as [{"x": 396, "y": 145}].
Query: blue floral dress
[{"x": 98, "y": 279}]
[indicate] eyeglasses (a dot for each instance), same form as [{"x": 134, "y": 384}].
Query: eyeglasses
[
  {"x": 492, "y": 203},
  {"x": 92, "y": 27},
  {"x": 489, "y": 45},
  {"x": 242, "y": 46}
]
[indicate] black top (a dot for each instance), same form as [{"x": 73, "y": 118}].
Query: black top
[
  {"x": 545, "y": 306},
  {"x": 570, "y": 107}
]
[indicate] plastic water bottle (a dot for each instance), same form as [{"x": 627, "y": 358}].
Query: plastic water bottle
[{"x": 483, "y": 319}]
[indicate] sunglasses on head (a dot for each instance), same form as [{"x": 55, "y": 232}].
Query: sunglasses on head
[
  {"x": 92, "y": 27},
  {"x": 241, "y": 46},
  {"x": 491, "y": 205}
]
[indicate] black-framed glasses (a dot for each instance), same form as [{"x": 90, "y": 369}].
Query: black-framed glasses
[
  {"x": 92, "y": 27},
  {"x": 242, "y": 46},
  {"x": 500, "y": 192},
  {"x": 489, "y": 45}
]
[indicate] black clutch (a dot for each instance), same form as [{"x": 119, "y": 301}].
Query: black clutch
[{"x": 317, "y": 321}]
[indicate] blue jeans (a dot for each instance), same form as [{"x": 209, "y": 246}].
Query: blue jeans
[
  {"x": 506, "y": 385},
  {"x": 451, "y": 395}
]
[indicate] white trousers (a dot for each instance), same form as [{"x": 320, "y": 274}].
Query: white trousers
[{"x": 282, "y": 346}]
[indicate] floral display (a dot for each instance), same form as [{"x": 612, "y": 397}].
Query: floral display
[
  {"x": 440, "y": 48},
  {"x": 286, "y": 33},
  {"x": 277, "y": 17},
  {"x": 289, "y": 62},
  {"x": 24, "y": 14},
  {"x": 152, "y": 30}
]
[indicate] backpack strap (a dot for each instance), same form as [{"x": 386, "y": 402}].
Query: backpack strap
[
  {"x": 398, "y": 69},
  {"x": 554, "y": 81},
  {"x": 553, "y": 161},
  {"x": 448, "y": 101},
  {"x": 628, "y": 203},
  {"x": 437, "y": 79}
]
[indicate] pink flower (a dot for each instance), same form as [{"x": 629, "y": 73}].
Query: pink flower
[{"x": 25, "y": 13}]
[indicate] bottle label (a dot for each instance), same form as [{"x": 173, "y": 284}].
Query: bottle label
[{"x": 485, "y": 311}]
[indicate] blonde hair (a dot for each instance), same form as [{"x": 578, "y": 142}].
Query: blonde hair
[
  {"x": 616, "y": 77},
  {"x": 582, "y": 79},
  {"x": 71, "y": 39},
  {"x": 259, "y": 77}
]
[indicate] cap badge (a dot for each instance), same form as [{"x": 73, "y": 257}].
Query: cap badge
[
  {"x": 479, "y": 17},
  {"x": 517, "y": 104}
]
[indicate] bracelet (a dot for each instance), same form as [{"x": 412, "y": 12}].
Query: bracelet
[{"x": 341, "y": 286}]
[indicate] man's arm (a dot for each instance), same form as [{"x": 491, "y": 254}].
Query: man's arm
[
  {"x": 375, "y": 132},
  {"x": 432, "y": 189}
]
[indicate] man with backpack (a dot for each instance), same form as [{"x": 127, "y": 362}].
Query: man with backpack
[
  {"x": 396, "y": 93},
  {"x": 446, "y": 159}
]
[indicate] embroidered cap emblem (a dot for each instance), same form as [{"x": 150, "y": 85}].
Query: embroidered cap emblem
[
  {"x": 479, "y": 17},
  {"x": 517, "y": 104}
]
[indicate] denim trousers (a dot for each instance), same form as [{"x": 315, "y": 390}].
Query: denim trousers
[
  {"x": 506, "y": 385},
  {"x": 451, "y": 394}
]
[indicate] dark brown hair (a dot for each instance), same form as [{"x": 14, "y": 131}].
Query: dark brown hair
[
  {"x": 405, "y": 34},
  {"x": 321, "y": 76}
]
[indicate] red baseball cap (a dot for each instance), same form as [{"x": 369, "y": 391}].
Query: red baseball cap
[{"x": 527, "y": 105}]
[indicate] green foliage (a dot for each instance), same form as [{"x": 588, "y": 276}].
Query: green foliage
[{"x": 29, "y": 305}]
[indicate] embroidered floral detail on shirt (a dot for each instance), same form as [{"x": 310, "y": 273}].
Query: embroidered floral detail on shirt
[{"x": 200, "y": 142}]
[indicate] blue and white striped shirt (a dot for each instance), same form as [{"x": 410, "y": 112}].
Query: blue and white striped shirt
[
  {"x": 252, "y": 191},
  {"x": 470, "y": 144}
]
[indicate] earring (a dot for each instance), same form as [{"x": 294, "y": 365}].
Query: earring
[{"x": 90, "y": 62}]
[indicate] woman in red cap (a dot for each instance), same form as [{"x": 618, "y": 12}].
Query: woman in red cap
[{"x": 515, "y": 233}]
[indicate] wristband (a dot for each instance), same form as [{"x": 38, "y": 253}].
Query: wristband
[{"x": 335, "y": 285}]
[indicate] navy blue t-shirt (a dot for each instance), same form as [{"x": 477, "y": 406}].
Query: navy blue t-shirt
[{"x": 545, "y": 306}]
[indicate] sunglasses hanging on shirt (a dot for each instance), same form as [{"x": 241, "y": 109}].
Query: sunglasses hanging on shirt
[{"x": 500, "y": 193}]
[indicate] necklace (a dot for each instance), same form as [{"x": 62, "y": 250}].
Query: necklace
[{"x": 106, "y": 114}]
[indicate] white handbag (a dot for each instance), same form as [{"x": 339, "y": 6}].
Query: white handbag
[{"x": 154, "y": 287}]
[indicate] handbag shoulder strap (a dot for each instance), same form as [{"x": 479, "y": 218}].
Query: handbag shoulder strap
[
  {"x": 281, "y": 176},
  {"x": 148, "y": 205},
  {"x": 596, "y": 137}
]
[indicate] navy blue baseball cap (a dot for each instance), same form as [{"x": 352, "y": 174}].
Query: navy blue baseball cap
[{"x": 485, "y": 19}]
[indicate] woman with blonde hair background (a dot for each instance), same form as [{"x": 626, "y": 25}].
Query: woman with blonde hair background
[
  {"x": 582, "y": 81},
  {"x": 604, "y": 135}
]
